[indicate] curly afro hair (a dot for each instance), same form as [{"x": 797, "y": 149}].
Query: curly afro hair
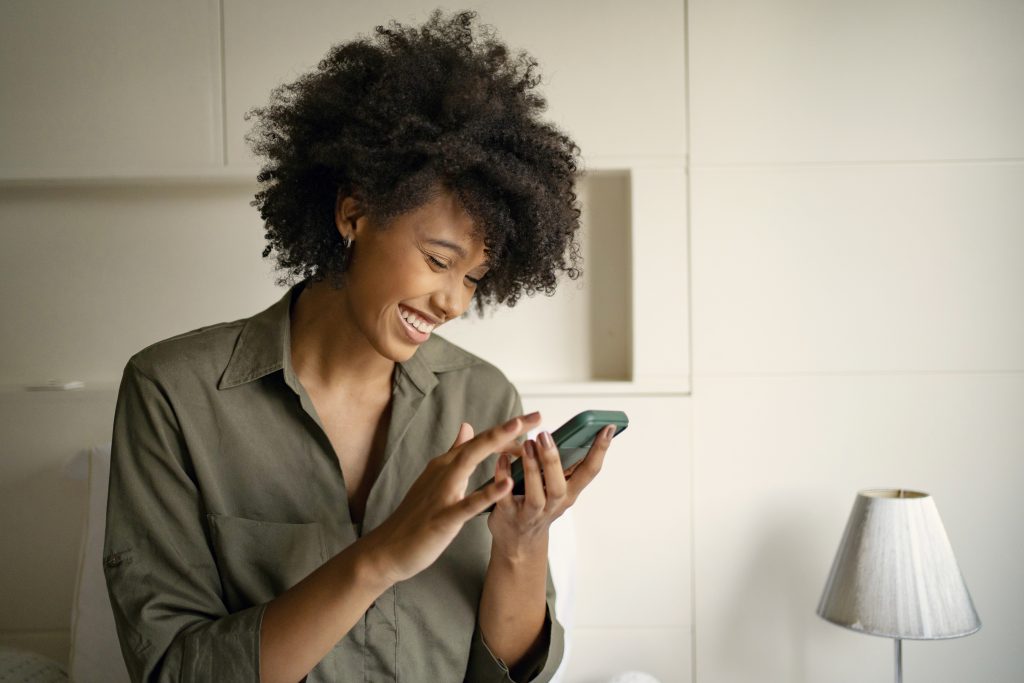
[{"x": 397, "y": 117}]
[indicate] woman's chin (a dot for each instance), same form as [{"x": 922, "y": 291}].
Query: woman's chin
[{"x": 398, "y": 350}]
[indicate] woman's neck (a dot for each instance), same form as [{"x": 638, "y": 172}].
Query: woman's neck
[{"x": 329, "y": 352}]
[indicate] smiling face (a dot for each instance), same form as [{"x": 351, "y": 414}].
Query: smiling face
[{"x": 411, "y": 276}]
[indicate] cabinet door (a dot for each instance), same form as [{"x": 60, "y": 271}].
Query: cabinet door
[
  {"x": 614, "y": 77},
  {"x": 109, "y": 87}
]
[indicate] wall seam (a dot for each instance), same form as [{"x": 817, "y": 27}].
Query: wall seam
[
  {"x": 223, "y": 91},
  {"x": 689, "y": 343},
  {"x": 782, "y": 374},
  {"x": 1008, "y": 161}
]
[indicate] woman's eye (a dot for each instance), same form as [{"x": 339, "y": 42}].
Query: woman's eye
[{"x": 441, "y": 265}]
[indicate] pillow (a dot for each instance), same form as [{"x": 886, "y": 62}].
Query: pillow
[
  {"x": 20, "y": 666},
  {"x": 562, "y": 562},
  {"x": 95, "y": 652}
]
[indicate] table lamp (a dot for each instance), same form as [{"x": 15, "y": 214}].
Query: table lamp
[{"x": 895, "y": 575}]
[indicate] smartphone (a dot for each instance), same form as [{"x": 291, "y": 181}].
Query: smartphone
[{"x": 573, "y": 440}]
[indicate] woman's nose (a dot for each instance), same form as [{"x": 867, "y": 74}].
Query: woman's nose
[{"x": 451, "y": 300}]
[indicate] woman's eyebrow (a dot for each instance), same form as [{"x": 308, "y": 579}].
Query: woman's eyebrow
[
  {"x": 457, "y": 248},
  {"x": 451, "y": 245}
]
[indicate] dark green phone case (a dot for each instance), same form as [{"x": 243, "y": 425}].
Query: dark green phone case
[{"x": 573, "y": 440}]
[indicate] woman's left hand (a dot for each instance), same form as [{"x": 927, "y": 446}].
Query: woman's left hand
[{"x": 519, "y": 524}]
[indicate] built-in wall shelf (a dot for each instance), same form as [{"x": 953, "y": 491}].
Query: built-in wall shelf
[
  {"x": 246, "y": 174},
  {"x": 622, "y": 328},
  {"x": 597, "y": 388},
  {"x": 131, "y": 177},
  {"x": 603, "y": 389}
]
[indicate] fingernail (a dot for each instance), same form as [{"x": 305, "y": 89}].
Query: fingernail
[
  {"x": 534, "y": 415},
  {"x": 609, "y": 431},
  {"x": 528, "y": 450},
  {"x": 545, "y": 439}
]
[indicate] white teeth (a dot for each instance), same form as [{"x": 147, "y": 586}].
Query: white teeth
[{"x": 415, "y": 321}]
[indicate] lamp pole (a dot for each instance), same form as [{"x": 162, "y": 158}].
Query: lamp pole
[{"x": 899, "y": 661}]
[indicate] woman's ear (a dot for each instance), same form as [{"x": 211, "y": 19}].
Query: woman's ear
[{"x": 348, "y": 212}]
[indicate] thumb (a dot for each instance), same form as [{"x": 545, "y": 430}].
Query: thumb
[{"x": 464, "y": 435}]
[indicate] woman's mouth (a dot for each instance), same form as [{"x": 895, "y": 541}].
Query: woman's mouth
[{"x": 417, "y": 329}]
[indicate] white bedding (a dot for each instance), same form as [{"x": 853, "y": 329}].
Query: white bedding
[
  {"x": 95, "y": 654},
  {"x": 21, "y": 666}
]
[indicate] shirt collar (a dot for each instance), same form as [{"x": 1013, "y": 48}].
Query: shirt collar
[{"x": 264, "y": 346}]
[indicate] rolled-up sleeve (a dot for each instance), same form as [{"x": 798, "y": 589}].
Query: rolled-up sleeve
[
  {"x": 544, "y": 659},
  {"x": 160, "y": 572},
  {"x": 543, "y": 662}
]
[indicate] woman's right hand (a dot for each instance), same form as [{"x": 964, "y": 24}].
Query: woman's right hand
[{"x": 436, "y": 505}]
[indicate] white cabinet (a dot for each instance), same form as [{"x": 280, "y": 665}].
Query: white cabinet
[
  {"x": 794, "y": 82},
  {"x": 614, "y": 79},
  {"x": 109, "y": 88},
  {"x": 123, "y": 92},
  {"x": 613, "y": 73}
]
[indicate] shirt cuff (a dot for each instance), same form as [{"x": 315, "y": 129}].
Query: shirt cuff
[
  {"x": 226, "y": 649},
  {"x": 485, "y": 667}
]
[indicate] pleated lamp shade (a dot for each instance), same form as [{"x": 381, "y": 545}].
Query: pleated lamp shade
[{"x": 895, "y": 574}]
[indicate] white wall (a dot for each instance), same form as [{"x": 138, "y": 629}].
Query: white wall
[
  {"x": 855, "y": 232},
  {"x": 110, "y": 250}
]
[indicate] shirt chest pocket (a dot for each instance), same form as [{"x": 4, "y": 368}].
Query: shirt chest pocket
[{"x": 259, "y": 560}]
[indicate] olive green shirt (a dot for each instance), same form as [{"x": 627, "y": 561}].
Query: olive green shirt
[{"x": 225, "y": 491}]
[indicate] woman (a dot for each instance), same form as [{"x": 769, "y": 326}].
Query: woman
[{"x": 288, "y": 492}]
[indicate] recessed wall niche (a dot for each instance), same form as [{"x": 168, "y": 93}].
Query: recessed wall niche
[{"x": 584, "y": 332}]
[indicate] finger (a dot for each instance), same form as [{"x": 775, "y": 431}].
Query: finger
[
  {"x": 464, "y": 435},
  {"x": 551, "y": 467},
  {"x": 478, "y": 501},
  {"x": 535, "y": 497},
  {"x": 571, "y": 469},
  {"x": 589, "y": 467},
  {"x": 496, "y": 439},
  {"x": 515, "y": 448},
  {"x": 503, "y": 471}
]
